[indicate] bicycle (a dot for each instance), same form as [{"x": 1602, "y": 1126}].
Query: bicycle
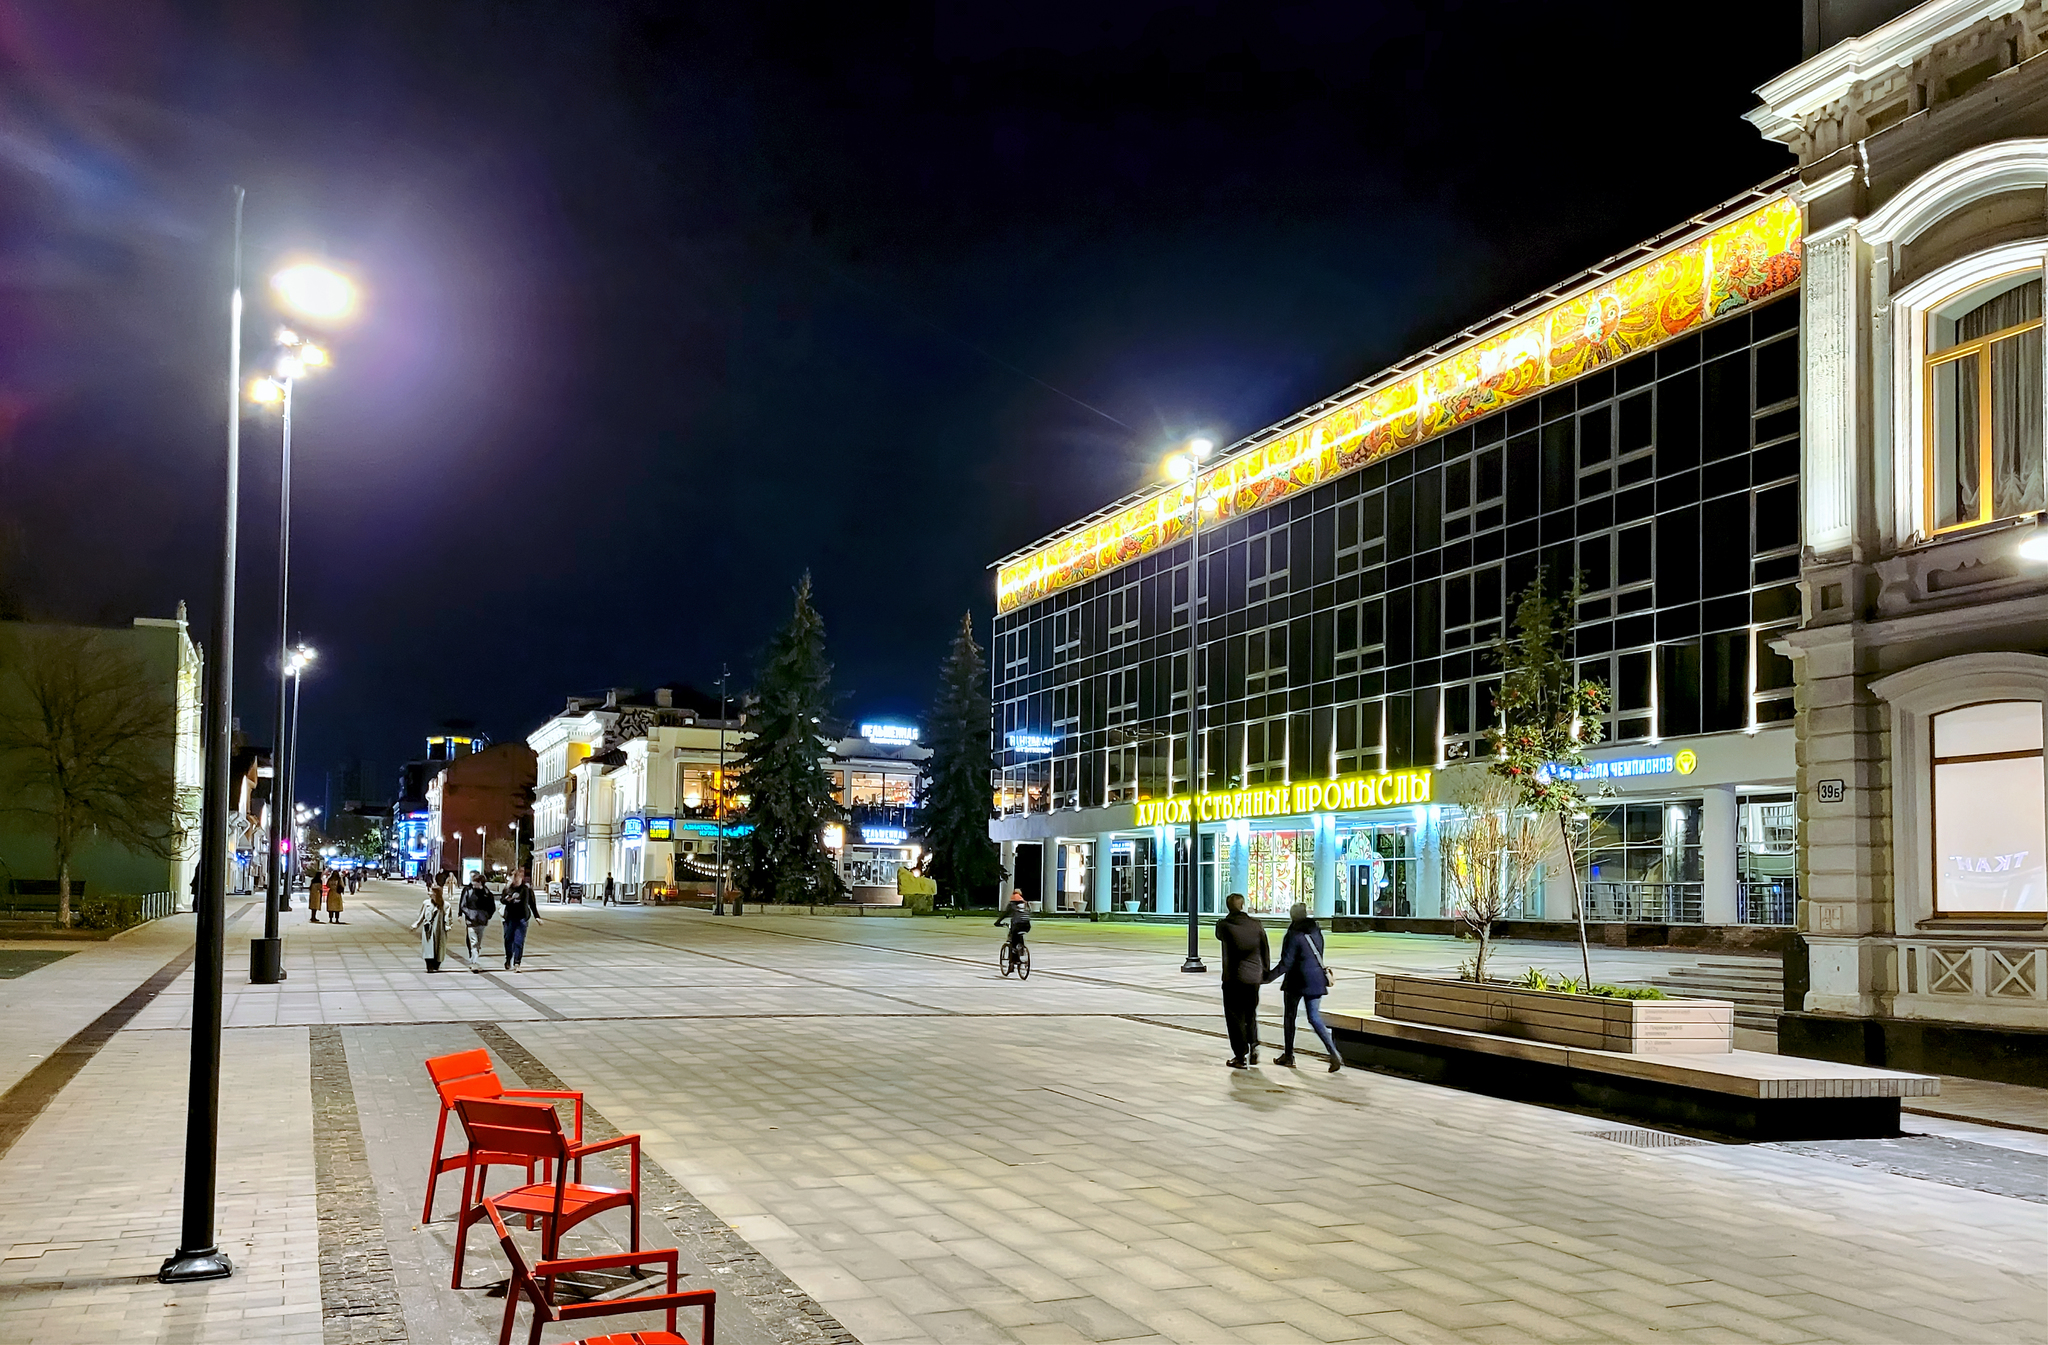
[{"x": 1014, "y": 957}]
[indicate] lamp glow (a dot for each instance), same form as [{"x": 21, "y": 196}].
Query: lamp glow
[
  {"x": 2036, "y": 546},
  {"x": 1200, "y": 447},
  {"x": 266, "y": 391},
  {"x": 314, "y": 291},
  {"x": 1179, "y": 467},
  {"x": 289, "y": 368},
  {"x": 312, "y": 356}
]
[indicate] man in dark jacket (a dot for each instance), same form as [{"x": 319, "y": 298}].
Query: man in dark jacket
[
  {"x": 1246, "y": 959},
  {"x": 477, "y": 906}
]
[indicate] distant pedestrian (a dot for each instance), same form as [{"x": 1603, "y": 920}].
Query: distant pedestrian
[
  {"x": 611, "y": 891},
  {"x": 478, "y": 905},
  {"x": 1304, "y": 979},
  {"x": 335, "y": 888},
  {"x": 312, "y": 894},
  {"x": 518, "y": 907},
  {"x": 1246, "y": 958},
  {"x": 433, "y": 927}
]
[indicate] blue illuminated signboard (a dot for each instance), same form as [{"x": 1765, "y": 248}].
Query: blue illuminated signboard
[
  {"x": 894, "y": 735},
  {"x": 884, "y": 835},
  {"x": 1039, "y": 744},
  {"x": 661, "y": 828},
  {"x": 634, "y": 830},
  {"x": 1677, "y": 763}
]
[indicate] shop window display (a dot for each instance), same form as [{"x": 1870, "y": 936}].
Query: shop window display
[{"x": 1989, "y": 840}]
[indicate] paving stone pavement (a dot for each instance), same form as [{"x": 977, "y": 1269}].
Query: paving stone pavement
[{"x": 930, "y": 1152}]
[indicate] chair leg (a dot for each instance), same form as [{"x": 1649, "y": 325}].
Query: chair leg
[
  {"x": 434, "y": 1166},
  {"x": 512, "y": 1311}
]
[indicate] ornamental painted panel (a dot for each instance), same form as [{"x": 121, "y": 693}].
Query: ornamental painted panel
[{"x": 1754, "y": 257}]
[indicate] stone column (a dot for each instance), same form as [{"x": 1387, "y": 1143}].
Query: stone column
[
  {"x": 1099, "y": 879},
  {"x": 1240, "y": 839},
  {"x": 1721, "y": 899},
  {"x": 1164, "y": 872},
  {"x": 1049, "y": 876},
  {"x": 1325, "y": 903}
]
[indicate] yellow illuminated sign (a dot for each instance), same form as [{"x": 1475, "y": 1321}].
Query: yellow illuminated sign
[
  {"x": 1381, "y": 789},
  {"x": 1753, "y": 257}
]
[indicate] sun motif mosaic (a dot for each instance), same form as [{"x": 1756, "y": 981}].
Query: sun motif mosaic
[{"x": 1743, "y": 262}]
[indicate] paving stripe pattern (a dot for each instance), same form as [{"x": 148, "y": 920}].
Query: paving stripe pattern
[
  {"x": 776, "y": 1301},
  {"x": 358, "y": 1292}
]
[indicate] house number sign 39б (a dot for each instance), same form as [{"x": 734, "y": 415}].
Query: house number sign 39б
[{"x": 1830, "y": 791}]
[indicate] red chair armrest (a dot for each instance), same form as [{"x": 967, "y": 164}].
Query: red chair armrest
[
  {"x": 598, "y": 1146},
  {"x": 665, "y": 1256},
  {"x": 611, "y": 1307}
]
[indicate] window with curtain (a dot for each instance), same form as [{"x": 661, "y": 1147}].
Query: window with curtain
[
  {"x": 1984, "y": 442},
  {"x": 1990, "y": 810}
]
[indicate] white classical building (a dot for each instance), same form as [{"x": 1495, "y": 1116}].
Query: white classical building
[
  {"x": 1922, "y": 655},
  {"x": 628, "y": 788}
]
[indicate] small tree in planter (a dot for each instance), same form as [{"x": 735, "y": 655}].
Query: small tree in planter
[
  {"x": 1489, "y": 851},
  {"x": 1545, "y": 719}
]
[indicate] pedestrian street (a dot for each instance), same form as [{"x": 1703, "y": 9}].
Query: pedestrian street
[{"x": 855, "y": 1129}]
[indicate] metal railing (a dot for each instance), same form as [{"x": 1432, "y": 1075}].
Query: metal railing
[
  {"x": 1773, "y": 901},
  {"x": 1656, "y": 903}
]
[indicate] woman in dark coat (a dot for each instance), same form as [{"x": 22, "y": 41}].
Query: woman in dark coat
[{"x": 1303, "y": 980}]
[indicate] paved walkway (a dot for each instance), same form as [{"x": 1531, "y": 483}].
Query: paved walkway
[{"x": 858, "y": 1130}]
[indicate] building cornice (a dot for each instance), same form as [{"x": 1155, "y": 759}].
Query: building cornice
[{"x": 1811, "y": 87}]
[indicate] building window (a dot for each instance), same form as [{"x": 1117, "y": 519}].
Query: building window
[
  {"x": 1983, "y": 389},
  {"x": 1989, "y": 803}
]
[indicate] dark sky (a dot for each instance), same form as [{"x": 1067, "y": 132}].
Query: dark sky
[{"x": 666, "y": 304}]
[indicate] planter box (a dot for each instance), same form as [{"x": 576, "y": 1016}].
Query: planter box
[{"x": 1590, "y": 1022}]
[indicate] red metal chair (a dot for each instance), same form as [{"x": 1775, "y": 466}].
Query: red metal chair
[
  {"x": 536, "y": 1283},
  {"x": 531, "y": 1132},
  {"x": 470, "y": 1074}
]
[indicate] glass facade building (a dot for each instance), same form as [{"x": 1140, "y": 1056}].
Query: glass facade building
[{"x": 1347, "y": 629}]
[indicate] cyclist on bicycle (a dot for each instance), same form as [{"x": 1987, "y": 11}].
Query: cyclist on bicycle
[{"x": 1018, "y": 915}]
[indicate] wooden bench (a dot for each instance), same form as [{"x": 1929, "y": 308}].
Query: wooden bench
[{"x": 1744, "y": 1094}]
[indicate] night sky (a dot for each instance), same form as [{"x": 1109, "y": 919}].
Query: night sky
[{"x": 667, "y": 304}]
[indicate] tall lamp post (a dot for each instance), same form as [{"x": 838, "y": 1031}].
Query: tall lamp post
[
  {"x": 198, "y": 1256},
  {"x": 312, "y": 292},
  {"x": 718, "y": 807},
  {"x": 1187, "y": 466}
]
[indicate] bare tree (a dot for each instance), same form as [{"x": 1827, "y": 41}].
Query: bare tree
[
  {"x": 1490, "y": 850},
  {"x": 87, "y": 744}
]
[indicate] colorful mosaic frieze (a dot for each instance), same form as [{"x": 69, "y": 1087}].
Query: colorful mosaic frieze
[{"x": 1742, "y": 262}]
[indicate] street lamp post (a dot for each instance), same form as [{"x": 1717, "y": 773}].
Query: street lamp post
[
  {"x": 318, "y": 293},
  {"x": 198, "y": 1256},
  {"x": 1188, "y": 467},
  {"x": 718, "y": 903}
]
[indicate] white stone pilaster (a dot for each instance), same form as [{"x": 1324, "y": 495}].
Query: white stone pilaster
[
  {"x": 1721, "y": 895},
  {"x": 1325, "y": 903},
  {"x": 1098, "y": 877},
  {"x": 1830, "y": 399}
]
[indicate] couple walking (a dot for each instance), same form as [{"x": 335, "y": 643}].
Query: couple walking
[
  {"x": 1247, "y": 965},
  {"x": 476, "y": 906}
]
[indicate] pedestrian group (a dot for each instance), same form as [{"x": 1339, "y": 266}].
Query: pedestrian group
[
  {"x": 1248, "y": 964},
  {"x": 477, "y": 907}
]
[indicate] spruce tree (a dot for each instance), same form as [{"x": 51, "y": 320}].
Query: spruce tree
[
  {"x": 954, "y": 794},
  {"x": 781, "y": 770}
]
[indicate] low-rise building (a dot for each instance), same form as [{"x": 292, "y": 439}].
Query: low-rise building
[{"x": 478, "y": 806}]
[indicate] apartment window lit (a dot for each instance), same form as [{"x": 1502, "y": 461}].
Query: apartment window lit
[
  {"x": 1989, "y": 828},
  {"x": 1983, "y": 455}
]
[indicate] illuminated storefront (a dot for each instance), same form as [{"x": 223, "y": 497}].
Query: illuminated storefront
[{"x": 1638, "y": 427}]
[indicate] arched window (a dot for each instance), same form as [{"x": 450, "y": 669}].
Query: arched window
[
  {"x": 1989, "y": 810},
  {"x": 1984, "y": 405}
]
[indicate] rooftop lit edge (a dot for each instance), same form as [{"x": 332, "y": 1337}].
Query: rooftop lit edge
[{"x": 1742, "y": 262}]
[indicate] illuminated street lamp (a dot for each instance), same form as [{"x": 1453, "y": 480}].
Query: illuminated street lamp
[
  {"x": 314, "y": 292},
  {"x": 1186, "y": 466}
]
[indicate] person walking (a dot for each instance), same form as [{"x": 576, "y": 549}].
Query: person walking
[
  {"x": 478, "y": 905},
  {"x": 336, "y": 886},
  {"x": 433, "y": 927},
  {"x": 313, "y": 890},
  {"x": 518, "y": 907},
  {"x": 1304, "y": 979},
  {"x": 1246, "y": 958},
  {"x": 611, "y": 891}
]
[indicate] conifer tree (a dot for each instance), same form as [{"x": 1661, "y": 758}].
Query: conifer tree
[
  {"x": 954, "y": 796},
  {"x": 781, "y": 771}
]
